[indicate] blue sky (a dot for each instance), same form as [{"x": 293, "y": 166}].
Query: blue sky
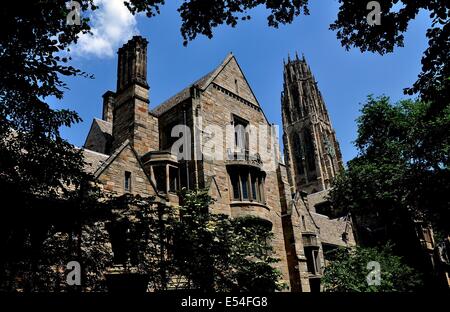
[{"x": 345, "y": 78}]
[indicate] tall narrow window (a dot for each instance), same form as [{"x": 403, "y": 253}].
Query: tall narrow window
[
  {"x": 312, "y": 261},
  {"x": 244, "y": 186},
  {"x": 310, "y": 155},
  {"x": 173, "y": 179},
  {"x": 235, "y": 184},
  {"x": 287, "y": 112},
  {"x": 255, "y": 192},
  {"x": 261, "y": 190},
  {"x": 160, "y": 178},
  {"x": 127, "y": 181},
  {"x": 298, "y": 153},
  {"x": 240, "y": 134},
  {"x": 236, "y": 86},
  {"x": 296, "y": 102}
]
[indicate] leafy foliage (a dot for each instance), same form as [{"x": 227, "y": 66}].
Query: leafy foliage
[
  {"x": 189, "y": 248},
  {"x": 40, "y": 172},
  {"x": 216, "y": 253},
  {"x": 402, "y": 168},
  {"x": 353, "y": 31},
  {"x": 201, "y": 17},
  {"x": 193, "y": 248},
  {"x": 34, "y": 157},
  {"x": 348, "y": 271},
  {"x": 147, "y": 234}
]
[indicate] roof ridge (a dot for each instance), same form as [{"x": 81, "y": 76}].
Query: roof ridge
[
  {"x": 111, "y": 158},
  {"x": 93, "y": 152},
  {"x": 203, "y": 82}
]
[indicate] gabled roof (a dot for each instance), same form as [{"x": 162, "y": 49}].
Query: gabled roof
[
  {"x": 105, "y": 126},
  {"x": 331, "y": 230},
  {"x": 184, "y": 94},
  {"x": 93, "y": 160},
  {"x": 110, "y": 159},
  {"x": 201, "y": 83},
  {"x": 99, "y": 128}
]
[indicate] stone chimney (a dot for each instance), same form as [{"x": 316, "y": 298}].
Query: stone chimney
[
  {"x": 132, "y": 64},
  {"x": 108, "y": 106},
  {"x": 131, "y": 119}
]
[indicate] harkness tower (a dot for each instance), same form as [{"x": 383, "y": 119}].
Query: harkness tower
[{"x": 311, "y": 149}]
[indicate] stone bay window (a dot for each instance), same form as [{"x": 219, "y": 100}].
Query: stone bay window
[
  {"x": 163, "y": 168},
  {"x": 245, "y": 175},
  {"x": 246, "y": 189},
  {"x": 247, "y": 184}
]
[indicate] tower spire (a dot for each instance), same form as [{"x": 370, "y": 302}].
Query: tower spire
[{"x": 311, "y": 149}]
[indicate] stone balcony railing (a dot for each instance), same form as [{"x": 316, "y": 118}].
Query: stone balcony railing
[
  {"x": 243, "y": 157},
  {"x": 310, "y": 240}
]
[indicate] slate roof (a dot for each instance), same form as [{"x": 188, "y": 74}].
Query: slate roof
[
  {"x": 331, "y": 230},
  {"x": 184, "y": 94},
  {"x": 105, "y": 126},
  {"x": 93, "y": 160}
]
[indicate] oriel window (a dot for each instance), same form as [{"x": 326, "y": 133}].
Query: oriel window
[{"x": 247, "y": 184}]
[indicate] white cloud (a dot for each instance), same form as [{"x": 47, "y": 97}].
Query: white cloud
[{"x": 112, "y": 24}]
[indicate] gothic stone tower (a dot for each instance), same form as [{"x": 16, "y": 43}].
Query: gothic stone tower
[{"x": 311, "y": 150}]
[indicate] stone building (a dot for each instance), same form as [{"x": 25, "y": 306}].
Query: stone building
[{"x": 214, "y": 134}]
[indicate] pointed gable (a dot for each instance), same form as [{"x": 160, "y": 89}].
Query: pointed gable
[
  {"x": 111, "y": 172},
  {"x": 231, "y": 78},
  {"x": 99, "y": 137},
  {"x": 228, "y": 75}
]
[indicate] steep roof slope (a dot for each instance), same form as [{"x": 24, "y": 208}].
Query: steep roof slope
[{"x": 221, "y": 73}]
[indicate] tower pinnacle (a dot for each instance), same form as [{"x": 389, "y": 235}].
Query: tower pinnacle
[{"x": 311, "y": 149}]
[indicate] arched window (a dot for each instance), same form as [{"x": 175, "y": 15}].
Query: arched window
[
  {"x": 287, "y": 112},
  {"x": 309, "y": 151},
  {"x": 296, "y": 101},
  {"x": 298, "y": 154}
]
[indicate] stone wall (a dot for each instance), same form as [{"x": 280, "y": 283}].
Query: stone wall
[
  {"x": 216, "y": 106},
  {"x": 113, "y": 176}
]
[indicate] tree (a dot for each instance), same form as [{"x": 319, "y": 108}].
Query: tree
[
  {"x": 399, "y": 183},
  {"x": 402, "y": 169},
  {"x": 39, "y": 169},
  {"x": 40, "y": 172},
  {"x": 34, "y": 37},
  {"x": 350, "y": 268},
  {"x": 216, "y": 253},
  {"x": 35, "y": 159},
  {"x": 185, "y": 248},
  {"x": 352, "y": 29}
]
